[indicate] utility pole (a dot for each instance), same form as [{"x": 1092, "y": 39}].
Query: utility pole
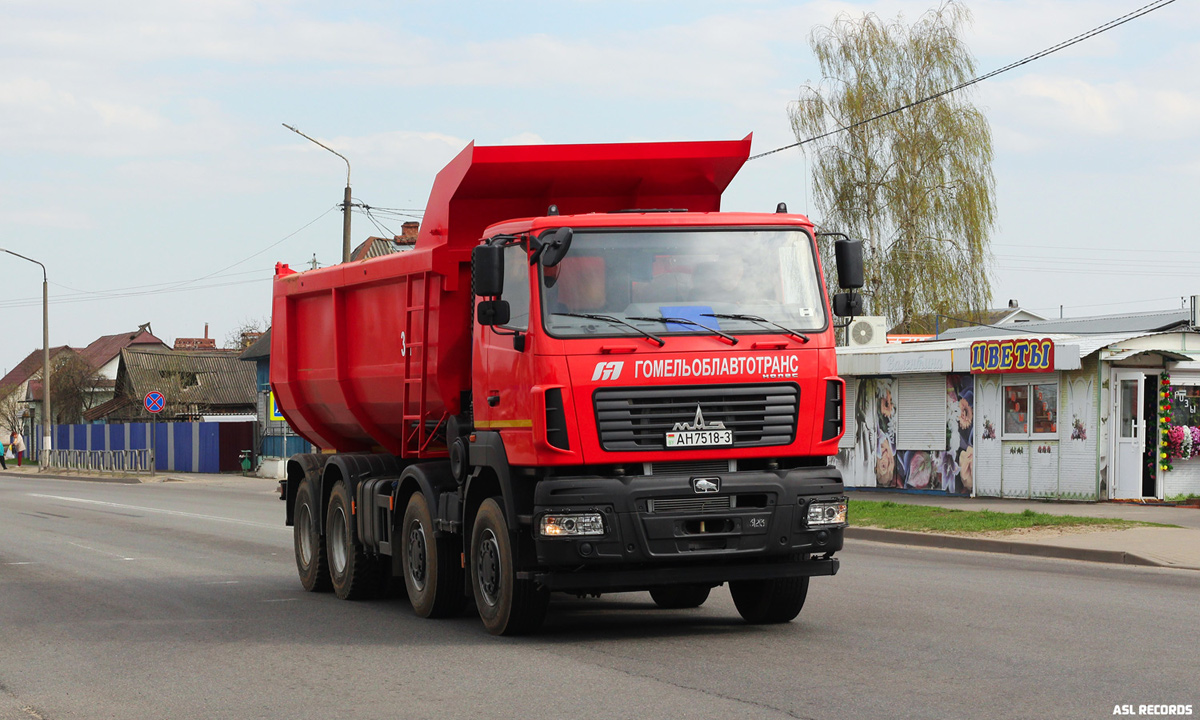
[
  {"x": 47, "y": 417},
  {"x": 345, "y": 202}
]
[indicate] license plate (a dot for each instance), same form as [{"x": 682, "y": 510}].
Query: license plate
[{"x": 699, "y": 438}]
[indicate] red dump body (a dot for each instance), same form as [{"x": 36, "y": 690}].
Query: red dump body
[{"x": 373, "y": 355}]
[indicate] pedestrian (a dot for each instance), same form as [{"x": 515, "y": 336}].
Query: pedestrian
[
  {"x": 3, "y": 451},
  {"x": 18, "y": 446}
]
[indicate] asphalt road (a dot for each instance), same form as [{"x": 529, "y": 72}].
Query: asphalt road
[{"x": 180, "y": 600}]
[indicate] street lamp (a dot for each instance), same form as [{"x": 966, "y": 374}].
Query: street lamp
[
  {"x": 47, "y": 418},
  {"x": 345, "y": 203}
]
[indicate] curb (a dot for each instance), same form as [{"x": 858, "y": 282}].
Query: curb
[
  {"x": 959, "y": 542},
  {"x": 92, "y": 478}
]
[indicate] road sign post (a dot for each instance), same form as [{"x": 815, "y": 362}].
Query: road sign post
[{"x": 154, "y": 402}]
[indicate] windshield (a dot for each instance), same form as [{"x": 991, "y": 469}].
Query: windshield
[{"x": 641, "y": 278}]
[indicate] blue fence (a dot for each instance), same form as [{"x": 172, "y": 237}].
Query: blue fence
[{"x": 178, "y": 447}]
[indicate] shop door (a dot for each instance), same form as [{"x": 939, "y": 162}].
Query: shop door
[{"x": 1131, "y": 431}]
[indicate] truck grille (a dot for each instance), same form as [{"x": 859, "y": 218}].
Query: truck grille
[
  {"x": 689, "y": 504},
  {"x": 640, "y": 418}
]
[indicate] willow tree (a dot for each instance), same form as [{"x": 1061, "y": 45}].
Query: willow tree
[{"x": 915, "y": 185}]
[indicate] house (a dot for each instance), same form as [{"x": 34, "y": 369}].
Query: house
[
  {"x": 204, "y": 384},
  {"x": 15, "y": 410},
  {"x": 277, "y": 440},
  {"x": 377, "y": 246},
  {"x": 104, "y": 354},
  {"x": 939, "y": 324}
]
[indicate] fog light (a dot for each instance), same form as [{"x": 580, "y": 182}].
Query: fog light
[
  {"x": 827, "y": 513},
  {"x": 572, "y": 524}
]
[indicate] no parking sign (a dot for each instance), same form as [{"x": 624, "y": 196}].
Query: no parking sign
[{"x": 155, "y": 401}]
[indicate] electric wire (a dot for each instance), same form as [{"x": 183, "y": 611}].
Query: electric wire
[
  {"x": 1145, "y": 9},
  {"x": 159, "y": 288}
]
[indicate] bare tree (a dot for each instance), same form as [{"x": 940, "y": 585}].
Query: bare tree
[
  {"x": 916, "y": 186},
  {"x": 12, "y": 410},
  {"x": 246, "y": 332},
  {"x": 74, "y": 387}
]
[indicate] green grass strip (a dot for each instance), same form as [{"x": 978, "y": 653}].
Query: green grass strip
[{"x": 925, "y": 518}]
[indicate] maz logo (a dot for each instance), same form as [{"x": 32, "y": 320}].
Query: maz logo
[{"x": 608, "y": 370}]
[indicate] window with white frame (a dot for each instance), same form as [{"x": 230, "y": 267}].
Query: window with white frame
[{"x": 1030, "y": 407}]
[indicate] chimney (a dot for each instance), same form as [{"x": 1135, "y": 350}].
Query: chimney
[
  {"x": 1013, "y": 304},
  {"x": 205, "y": 331},
  {"x": 408, "y": 233}
]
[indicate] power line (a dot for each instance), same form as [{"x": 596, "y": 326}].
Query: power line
[
  {"x": 160, "y": 288},
  {"x": 1036, "y": 56}
]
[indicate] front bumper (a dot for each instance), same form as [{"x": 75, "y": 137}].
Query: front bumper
[{"x": 660, "y": 531}]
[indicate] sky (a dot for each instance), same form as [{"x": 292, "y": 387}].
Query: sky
[{"x": 143, "y": 160}]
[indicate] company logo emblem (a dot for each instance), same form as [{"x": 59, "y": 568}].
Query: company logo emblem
[
  {"x": 608, "y": 370},
  {"x": 706, "y": 485},
  {"x": 698, "y": 422}
]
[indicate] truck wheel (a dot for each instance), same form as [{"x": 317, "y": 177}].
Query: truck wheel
[
  {"x": 433, "y": 576},
  {"x": 763, "y": 602},
  {"x": 355, "y": 576},
  {"x": 310, "y": 544},
  {"x": 508, "y": 606},
  {"x": 679, "y": 597}
]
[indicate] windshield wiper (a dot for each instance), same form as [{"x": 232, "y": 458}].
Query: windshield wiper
[
  {"x": 757, "y": 319},
  {"x": 688, "y": 321},
  {"x": 616, "y": 320}
]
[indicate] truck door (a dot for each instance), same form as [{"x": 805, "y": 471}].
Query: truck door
[{"x": 502, "y": 393}]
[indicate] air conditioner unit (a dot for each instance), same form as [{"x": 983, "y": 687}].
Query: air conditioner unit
[{"x": 867, "y": 330}]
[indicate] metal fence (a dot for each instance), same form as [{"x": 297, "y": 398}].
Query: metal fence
[{"x": 128, "y": 461}]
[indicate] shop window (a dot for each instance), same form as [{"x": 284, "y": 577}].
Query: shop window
[
  {"x": 1044, "y": 404},
  {"x": 1030, "y": 409},
  {"x": 1185, "y": 405}
]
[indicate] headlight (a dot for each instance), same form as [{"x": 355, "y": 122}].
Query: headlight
[
  {"x": 827, "y": 513},
  {"x": 568, "y": 524}
]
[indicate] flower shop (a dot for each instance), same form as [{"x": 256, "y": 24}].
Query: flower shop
[{"x": 1066, "y": 417}]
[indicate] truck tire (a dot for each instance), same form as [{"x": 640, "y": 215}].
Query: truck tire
[
  {"x": 433, "y": 575},
  {"x": 310, "y": 544},
  {"x": 679, "y": 597},
  {"x": 355, "y": 575},
  {"x": 762, "y": 602},
  {"x": 507, "y": 606}
]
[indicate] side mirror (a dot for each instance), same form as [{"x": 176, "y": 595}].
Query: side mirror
[
  {"x": 487, "y": 270},
  {"x": 847, "y": 304},
  {"x": 849, "y": 254},
  {"x": 555, "y": 247},
  {"x": 492, "y": 312}
]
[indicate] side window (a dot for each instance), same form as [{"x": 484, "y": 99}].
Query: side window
[{"x": 516, "y": 286}]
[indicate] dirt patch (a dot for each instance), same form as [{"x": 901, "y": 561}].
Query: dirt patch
[{"x": 1051, "y": 531}]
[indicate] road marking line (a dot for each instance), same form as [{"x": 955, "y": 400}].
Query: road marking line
[
  {"x": 221, "y": 582},
  {"x": 178, "y": 513},
  {"x": 103, "y": 552},
  {"x": 21, "y": 563}
]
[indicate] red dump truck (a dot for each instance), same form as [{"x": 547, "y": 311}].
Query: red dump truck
[{"x": 583, "y": 378}]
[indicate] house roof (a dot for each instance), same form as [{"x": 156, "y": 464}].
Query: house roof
[
  {"x": 1091, "y": 325},
  {"x": 192, "y": 377},
  {"x": 260, "y": 348},
  {"x": 374, "y": 247},
  {"x": 26, "y": 369},
  {"x": 924, "y": 324},
  {"x": 106, "y": 347}
]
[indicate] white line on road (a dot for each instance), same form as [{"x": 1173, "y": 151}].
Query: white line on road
[
  {"x": 178, "y": 513},
  {"x": 103, "y": 552},
  {"x": 21, "y": 563}
]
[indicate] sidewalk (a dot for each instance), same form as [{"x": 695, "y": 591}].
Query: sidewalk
[
  {"x": 1152, "y": 546},
  {"x": 31, "y": 472}
]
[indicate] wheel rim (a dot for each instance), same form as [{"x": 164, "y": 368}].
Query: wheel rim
[
  {"x": 337, "y": 532},
  {"x": 487, "y": 568},
  {"x": 418, "y": 561},
  {"x": 304, "y": 526}
]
